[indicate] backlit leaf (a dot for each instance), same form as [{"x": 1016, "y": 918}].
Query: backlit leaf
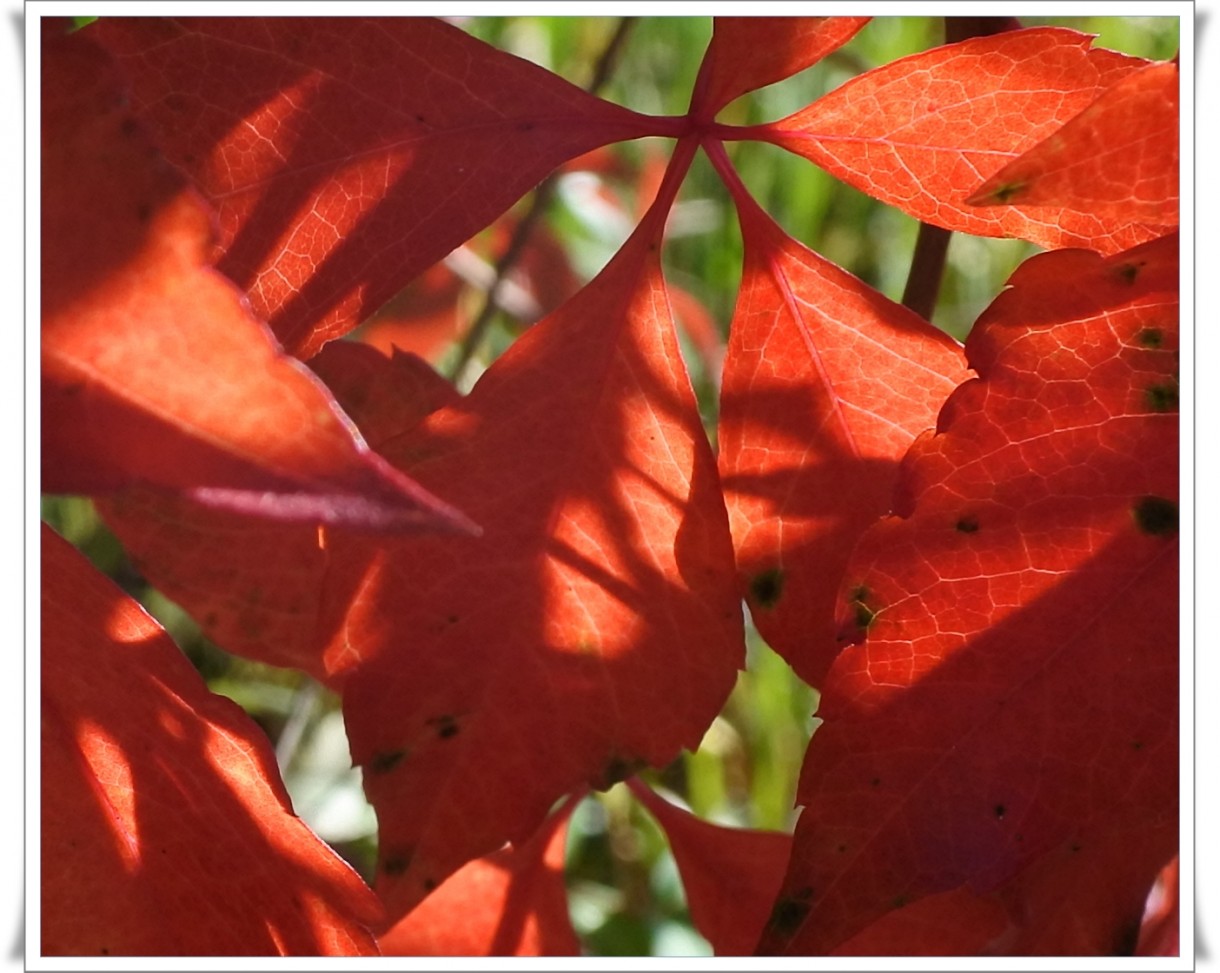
[
  {"x": 747, "y": 53},
  {"x": 1117, "y": 160},
  {"x": 217, "y": 564},
  {"x": 510, "y": 903},
  {"x": 730, "y": 875},
  {"x": 1008, "y": 717},
  {"x": 166, "y": 830},
  {"x": 826, "y": 384},
  {"x": 594, "y": 627},
  {"x": 153, "y": 372},
  {"x": 921, "y": 133},
  {"x": 347, "y": 154}
]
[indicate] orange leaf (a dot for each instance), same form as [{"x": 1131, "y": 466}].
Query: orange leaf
[
  {"x": 165, "y": 827},
  {"x": 354, "y": 152},
  {"x": 1012, "y": 700},
  {"x": 747, "y": 53},
  {"x": 826, "y": 383},
  {"x": 594, "y": 627},
  {"x": 922, "y": 132},
  {"x": 1117, "y": 160},
  {"x": 153, "y": 372},
  {"x": 217, "y": 564},
  {"x": 511, "y": 903},
  {"x": 730, "y": 875}
]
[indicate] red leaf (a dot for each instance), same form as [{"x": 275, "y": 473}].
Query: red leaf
[
  {"x": 511, "y": 903},
  {"x": 165, "y": 827},
  {"x": 826, "y": 383},
  {"x": 1117, "y": 160},
  {"x": 954, "y": 923},
  {"x": 1014, "y": 693},
  {"x": 594, "y": 627},
  {"x": 922, "y": 132},
  {"x": 153, "y": 371},
  {"x": 747, "y": 53},
  {"x": 384, "y": 398},
  {"x": 216, "y": 564},
  {"x": 730, "y": 875},
  {"x": 350, "y": 153},
  {"x": 422, "y": 318}
]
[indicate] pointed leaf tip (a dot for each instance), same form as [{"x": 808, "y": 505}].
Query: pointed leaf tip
[{"x": 154, "y": 372}]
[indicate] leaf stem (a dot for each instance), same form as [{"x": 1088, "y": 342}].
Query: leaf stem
[
  {"x": 927, "y": 270},
  {"x": 543, "y": 195}
]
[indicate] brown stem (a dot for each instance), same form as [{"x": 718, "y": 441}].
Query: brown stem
[
  {"x": 538, "y": 204},
  {"x": 927, "y": 269},
  {"x": 932, "y": 244}
]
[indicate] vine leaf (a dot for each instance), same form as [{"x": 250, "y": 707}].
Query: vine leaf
[
  {"x": 353, "y": 152},
  {"x": 156, "y": 792},
  {"x": 921, "y": 133},
  {"x": 730, "y": 875},
  {"x": 826, "y": 384},
  {"x": 214, "y": 562},
  {"x": 510, "y": 903},
  {"x": 593, "y": 628},
  {"x": 747, "y": 53},
  {"x": 1008, "y": 715},
  {"x": 153, "y": 372},
  {"x": 1117, "y": 160}
]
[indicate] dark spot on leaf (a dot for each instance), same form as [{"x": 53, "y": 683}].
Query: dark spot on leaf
[
  {"x": 189, "y": 158},
  {"x": 1128, "y": 272},
  {"x": 429, "y": 884},
  {"x": 1162, "y": 398},
  {"x": 999, "y": 811},
  {"x": 386, "y": 761},
  {"x": 1151, "y": 337},
  {"x": 1075, "y": 846},
  {"x": 875, "y": 782},
  {"x": 899, "y": 901},
  {"x": 105, "y": 950},
  {"x": 766, "y": 587},
  {"x": 862, "y": 613},
  {"x": 968, "y": 524},
  {"x": 129, "y": 127},
  {"x": 446, "y": 726},
  {"x": 143, "y": 212},
  {"x": 452, "y": 619},
  {"x": 525, "y": 127},
  {"x": 1156, "y": 515},
  {"x": 841, "y": 849},
  {"x": 790, "y": 911},
  {"x": 396, "y": 862},
  {"x": 1137, "y": 745}
]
